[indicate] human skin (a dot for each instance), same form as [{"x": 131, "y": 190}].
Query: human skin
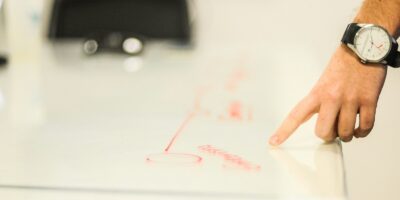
[{"x": 346, "y": 88}]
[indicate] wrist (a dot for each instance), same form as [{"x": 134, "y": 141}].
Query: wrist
[
  {"x": 347, "y": 54},
  {"x": 352, "y": 60}
]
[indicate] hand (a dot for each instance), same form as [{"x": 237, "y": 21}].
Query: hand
[{"x": 345, "y": 89}]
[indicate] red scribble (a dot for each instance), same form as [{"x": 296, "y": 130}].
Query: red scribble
[
  {"x": 179, "y": 131},
  {"x": 231, "y": 159},
  {"x": 235, "y": 110}
]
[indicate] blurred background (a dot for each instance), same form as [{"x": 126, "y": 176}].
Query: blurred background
[{"x": 61, "y": 59}]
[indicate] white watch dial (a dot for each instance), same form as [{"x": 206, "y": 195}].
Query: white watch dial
[{"x": 372, "y": 43}]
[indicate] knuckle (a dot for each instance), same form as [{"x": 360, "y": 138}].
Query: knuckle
[
  {"x": 326, "y": 136},
  {"x": 369, "y": 101},
  {"x": 367, "y": 123},
  {"x": 346, "y": 132},
  {"x": 332, "y": 96},
  {"x": 351, "y": 99},
  {"x": 363, "y": 133},
  {"x": 329, "y": 139},
  {"x": 346, "y": 139}
]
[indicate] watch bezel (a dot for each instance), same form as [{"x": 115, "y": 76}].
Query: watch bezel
[{"x": 364, "y": 59}]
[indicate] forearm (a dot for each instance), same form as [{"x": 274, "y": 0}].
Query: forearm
[{"x": 385, "y": 13}]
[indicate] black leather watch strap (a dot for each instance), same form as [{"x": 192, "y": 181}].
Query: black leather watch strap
[
  {"x": 396, "y": 61},
  {"x": 350, "y": 33},
  {"x": 393, "y": 58}
]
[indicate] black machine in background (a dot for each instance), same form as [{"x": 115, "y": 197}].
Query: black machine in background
[
  {"x": 153, "y": 19},
  {"x": 120, "y": 25}
]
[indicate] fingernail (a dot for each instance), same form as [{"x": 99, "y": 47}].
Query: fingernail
[{"x": 274, "y": 140}]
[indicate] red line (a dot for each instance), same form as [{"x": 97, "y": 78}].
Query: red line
[{"x": 180, "y": 129}]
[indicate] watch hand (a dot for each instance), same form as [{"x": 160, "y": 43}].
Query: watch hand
[
  {"x": 372, "y": 40},
  {"x": 370, "y": 35},
  {"x": 364, "y": 46}
]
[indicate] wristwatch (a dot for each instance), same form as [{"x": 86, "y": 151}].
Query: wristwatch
[{"x": 372, "y": 44}]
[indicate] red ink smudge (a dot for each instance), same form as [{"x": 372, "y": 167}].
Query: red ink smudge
[
  {"x": 231, "y": 159},
  {"x": 235, "y": 110}
]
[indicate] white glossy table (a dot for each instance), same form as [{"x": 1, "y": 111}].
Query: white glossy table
[{"x": 174, "y": 123}]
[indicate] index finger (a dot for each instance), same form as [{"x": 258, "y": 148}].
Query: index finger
[{"x": 303, "y": 111}]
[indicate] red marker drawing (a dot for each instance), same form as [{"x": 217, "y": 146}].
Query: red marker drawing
[
  {"x": 179, "y": 131},
  {"x": 231, "y": 160},
  {"x": 235, "y": 111},
  {"x": 166, "y": 156}
]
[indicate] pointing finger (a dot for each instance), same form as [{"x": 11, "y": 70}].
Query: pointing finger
[{"x": 301, "y": 113}]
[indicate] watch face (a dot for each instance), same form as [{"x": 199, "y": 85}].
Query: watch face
[{"x": 372, "y": 43}]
